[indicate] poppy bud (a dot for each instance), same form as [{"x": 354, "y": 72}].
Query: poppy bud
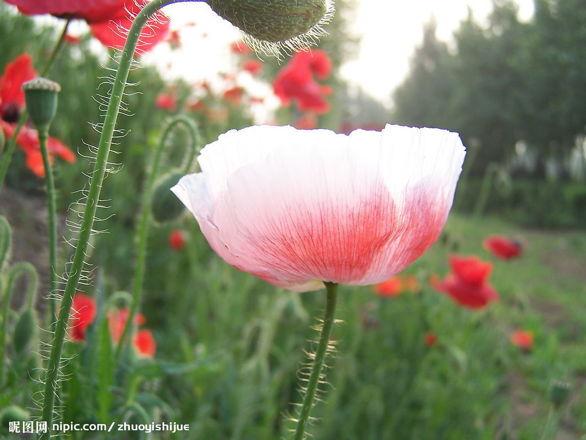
[
  {"x": 559, "y": 393},
  {"x": 273, "y": 20},
  {"x": 41, "y": 101},
  {"x": 13, "y": 413},
  {"x": 165, "y": 207},
  {"x": 26, "y": 331}
]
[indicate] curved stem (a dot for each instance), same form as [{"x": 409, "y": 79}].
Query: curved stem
[
  {"x": 142, "y": 232},
  {"x": 93, "y": 195},
  {"x": 11, "y": 145},
  {"x": 52, "y": 211},
  {"x": 318, "y": 361}
]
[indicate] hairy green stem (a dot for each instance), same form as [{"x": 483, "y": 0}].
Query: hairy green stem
[
  {"x": 93, "y": 196},
  {"x": 52, "y": 211},
  {"x": 318, "y": 361},
  {"x": 11, "y": 144},
  {"x": 142, "y": 231}
]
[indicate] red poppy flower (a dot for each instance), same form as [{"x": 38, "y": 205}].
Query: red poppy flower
[
  {"x": 166, "y": 101},
  {"x": 295, "y": 82},
  {"x": 240, "y": 48},
  {"x": 468, "y": 284},
  {"x": 306, "y": 122},
  {"x": 430, "y": 339},
  {"x": 522, "y": 339},
  {"x": 117, "y": 321},
  {"x": 107, "y": 18},
  {"x": 254, "y": 67},
  {"x": 145, "y": 344},
  {"x": 72, "y": 39},
  {"x": 177, "y": 240},
  {"x": 196, "y": 106},
  {"x": 234, "y": 95},
  {"x": 83, "y": 313},
  {"x": 12, "y": 103},
  {"x": 174, "y": 39},
  {"x": 503, "y": 247},
  {"x": 396, "y": 285}
]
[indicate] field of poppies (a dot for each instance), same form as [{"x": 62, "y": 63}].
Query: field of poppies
[{"x": 340, "y": 278}]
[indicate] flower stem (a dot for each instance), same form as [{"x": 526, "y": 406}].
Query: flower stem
[
  {"x": 142, "y": 232},
  {"x": 11, "y": 145},
  {"x": 93, "y": 196},
  {"x": 318, "y": 361},
  {"x": 52, "y": 210}
]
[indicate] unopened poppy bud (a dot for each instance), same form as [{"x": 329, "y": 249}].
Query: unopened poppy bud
[
  {"x": 13, "y": 413},
  {"x": 165, "y": 206},
  {"x": 559, "y": 393},
  {"x": 274, "y": 21},
  {"x": 41, "y": 101},
  {"x": 26, "y": 331}
]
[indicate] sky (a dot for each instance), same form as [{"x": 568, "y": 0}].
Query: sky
[{"x": 389, "y": 31}]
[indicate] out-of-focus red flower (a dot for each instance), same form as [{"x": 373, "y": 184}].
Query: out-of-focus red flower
[
  {"x": 16, "y": 73},
  {"x": 503, "y": 247},
  {"x": 174, "y": 39},
  {"x": 72, "y": 39},
  {"x": 234, "y": 95},
  {"x": 196, "y": 106},
  {"x": 306, "y": 121},
  {"x": 166, "y": 101},
  {"x": 468, "y": 283},
  {"x": 145, "y": 344},
  {"x": 430, "y": 339},
  {"x": 240, "y": 48},
  {"x": 177, "y": 240},
  {"x": 396, "y": 285},
  {"x": 254, "y": 67},
  {"x": 295, "y": 82},
  {"x": 83, "y": 313},
  {"x": 117, "y": 321},
  {"x": 522, "y": 339},
  {"x": 107, "y": 18}
]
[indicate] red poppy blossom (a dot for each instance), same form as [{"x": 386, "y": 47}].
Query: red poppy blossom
[
  {"x": 234, "y": 95},
  {"x": 468, "y": 283},
  {"x": 254, "y": 67},
  {"x": 295, "y": 82},
  {"x": 430, "y": 339},
  {"x": 12, "y": 102},
  {"x": 396, "y": 285},
  {"x": 117, "y": 321},
  {"x": 177, "y": 240},
  {"x": 503, "y": 247},
  {"x": 196, "y": 106},
  {"x": 145, "y": 344},
  {"x": 240, "y": 48},
  {"x": 107, "y": 18},
  {"x": 166, "y": 101},
  {"x": 83, "y": 313},
  {"x": 522, "y": 339}
]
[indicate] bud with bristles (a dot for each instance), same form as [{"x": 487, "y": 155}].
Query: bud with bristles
[
  {"x": 165, "y": 207},
  {"x": 41, "y": 101},
  {"x": 274, "y": 24},
  {"x": 559, "y": 393},
  {"x": 26, "y": 331},
  {"x": 13, "y": 413}
]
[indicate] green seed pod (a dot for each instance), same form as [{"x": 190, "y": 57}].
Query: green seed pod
[
  {"x": 26, "y": 331},
  {"x": 13, "y": 413},
  {"x": 559, "y": 393},
  {"x": 275, "y": 21},
  {"x": 165, "y": 206},
  {"x": 41, "y": 101}
]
